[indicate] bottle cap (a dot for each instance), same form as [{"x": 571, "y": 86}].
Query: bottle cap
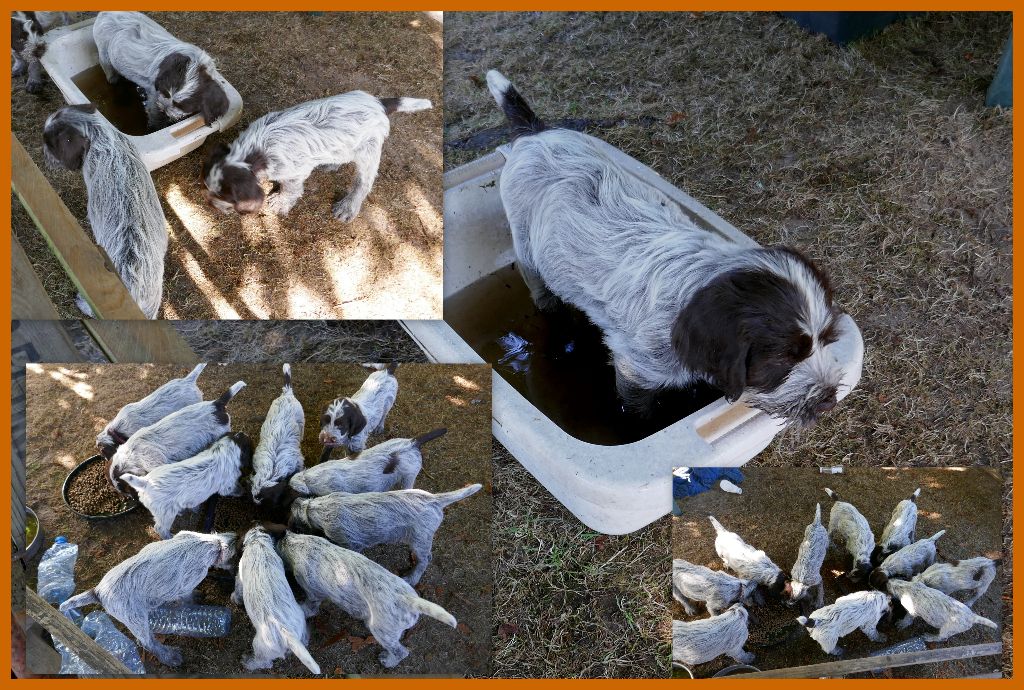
[{"x": 61, "y": 540}]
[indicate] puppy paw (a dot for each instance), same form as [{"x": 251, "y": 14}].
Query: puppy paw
[
  {"x": 279, "y": 205},
  {"x": 35, "y": 87},
  {"x": 251, "y": 663},
  {"x": 346, "y": 211}
]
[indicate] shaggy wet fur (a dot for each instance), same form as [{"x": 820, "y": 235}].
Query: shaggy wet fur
[
  {"x": 348, "y": 422},
  {"x": 279, "y": 453},
  {"x": 28, "y": 44},
  {"x": 698, "y": 642}
]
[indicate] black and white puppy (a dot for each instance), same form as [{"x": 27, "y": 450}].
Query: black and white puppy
[
  {"x": 899, "y": 531},
  {"x": 28, "y": 45},
  {"x": 676, "y": 303},
  {"x": 178, "y": 78},
  {"x": 284, "y": 147},
  {"x": 348, "y": 422},
  {"x": 124, "y": 209}
]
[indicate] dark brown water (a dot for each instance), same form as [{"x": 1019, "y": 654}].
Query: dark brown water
[
  {"x": 120, "y": 103},
  {"x": 558, "y": 362}
]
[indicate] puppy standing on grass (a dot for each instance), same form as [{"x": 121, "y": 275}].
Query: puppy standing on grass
[
  {"x": 162, "y": 572},
  {"x": 169, "y": 490},
  {"x": 359, "y": 521},
  {"x": 900, "y": 531},
  {"x": 906, "y": 562},
  {"x": 168, "y": 398},
  {"x": 748, "y": 562},
  {"x": 698, "y": 642},
  {"x": 279, "y": 453},
  {"x": 285, "y": 147},
  {"x": 694, "y": 583},
  {"x": 858, "y": 611},
  {"x": 936, "y": 609},
  {"x": 973, "y": 575},
  {"x": 806, "y": 571},
  {"x": 348, "y": 422},
  {"x": 846, "y": 526},
  {"x": 28, "y": 44},
  {"x": 124, "y": 209}
]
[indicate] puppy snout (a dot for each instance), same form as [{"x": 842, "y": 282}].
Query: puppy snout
[
  {"x": 327, "y": 438},
  {"x": 825, "y": 405}
]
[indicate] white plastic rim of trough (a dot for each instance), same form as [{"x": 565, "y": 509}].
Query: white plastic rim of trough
[
  {"x": 611, "y": 489},
  {"x": 71, "y": 50}
]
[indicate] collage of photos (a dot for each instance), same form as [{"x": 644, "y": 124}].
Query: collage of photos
[{"x": 512, "y": 344}]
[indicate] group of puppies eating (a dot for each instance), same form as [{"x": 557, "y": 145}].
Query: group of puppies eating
[
  {"x": 904, "y": 582},
  {"x": 176, "y": 452}
]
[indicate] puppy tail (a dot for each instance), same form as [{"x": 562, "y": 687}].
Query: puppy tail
[
  {"x": 521, "y": 119},
  {"x": 450, "y": 497},
  {"x": 405, "y": 105},
  {"x": 805, "y": 621},
  {"x": 937, "y": 535},
  {"x": 429, "y": 436},
  {"x": 299, "y": 649},
  {"x": 429, "y": 608},
  {"x": 914, "y": 496},
  {"x": 832, "y": 494},
  {"x": 194, "y": 374},
  {"x": 77, "y": 602},
  {"x": 717, "y": 525},
  {"x": 287, "y": 370},
  {"x": 817, "y": 514},
  {"x": 229, "y": 393},
  {"x": 981, "y": 620}
]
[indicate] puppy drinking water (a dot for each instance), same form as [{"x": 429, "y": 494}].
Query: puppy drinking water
[
  {"x": 972, "y": 575},
  {"x": 279, "y": 453},
  {"x": 900, "y": 531},
  {"x": 694, "y": 583},
  {"x": 847, "y": 527},
  {"x": 748, "y": 562},
  {"x": 348, "y": 422},
  {"x": 700, "y": 641}
]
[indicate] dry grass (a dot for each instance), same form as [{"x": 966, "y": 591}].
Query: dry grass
[{"x": 385, "y": 264}]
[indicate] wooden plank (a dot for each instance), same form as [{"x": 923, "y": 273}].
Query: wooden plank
[
  {"x": 41, "y": 659},
  {"x": 84, "y": 646},
  {"x": 28, "y": 297},
  {"x": 874, "y": 663},
  {"x": 85, "y": 263},
  {"x": 141, "y": 341}
]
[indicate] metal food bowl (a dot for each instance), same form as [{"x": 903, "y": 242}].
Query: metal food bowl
[{"x": 132, "y": 505}]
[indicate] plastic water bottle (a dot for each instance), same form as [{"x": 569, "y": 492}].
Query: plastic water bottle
[
  {"x": 191, "y": 620},
  {"x": 70, "y": 663},
  {"x": 99, "y": 627},
  {"x": 56, "y": 580}
]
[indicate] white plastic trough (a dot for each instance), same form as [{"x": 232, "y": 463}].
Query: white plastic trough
[
  {"x": 611, "y": 489},
  {"x": 71, "y": 50}
]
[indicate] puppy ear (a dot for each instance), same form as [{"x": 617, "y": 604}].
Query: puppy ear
[
  {"x": 170, "y": 74},
  {"x": 214, "y": 103},
  {"x": 67, "y": 144},
  {"x": 708, "y": 338},
  {"x": 354, "y": 417},
  {"x": 214, "y": 154},
  {"x": 257, "y": 162}
]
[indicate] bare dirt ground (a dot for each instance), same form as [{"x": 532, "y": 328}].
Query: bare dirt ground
[
  {"x": 778, "y": 503},
  {"x": 84, "y": 397},
  {"x": 384, "y": 264}
]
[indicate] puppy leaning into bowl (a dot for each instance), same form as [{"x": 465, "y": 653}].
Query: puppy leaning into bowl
[
  {"x": 170, "y": 397},
  {"x": 858, "y": 611},
  {"x": 394, "y": 462},
  {"x": 386, "y": 603},
  {"x": 700, "y": 641},
  {"x": 279, "y": 622},
  {"x": 124, "y": 209},
  {"x": 177, "y": 436},
  {"x": 168, "y": 490},
  {"x": 178, "y": 78},
  {"x": 972, "y": 575},
  {"x": 162, "y": 572},
  {"x": 676, "y": 303},
  {"x": 348, "y": 422},
  {"x": 906, "y": 562},
  {"x": 285, "y": 147},
  {"x": 717, "y": 590},
  {"x": 900, "y": 530},
  {"x": 279, "y": 453},
  {"x": 936, "y": 609},
  {"x": 847, "y": 527},
  {"x": 359, "y": 521},
  {"x": 806, "y": 572},
  {"x": 748, "y": 562},
  {"x": 28, "y": 44}
]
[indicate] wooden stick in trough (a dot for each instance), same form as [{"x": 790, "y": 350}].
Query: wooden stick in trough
[{"x": 102, "y": 661}]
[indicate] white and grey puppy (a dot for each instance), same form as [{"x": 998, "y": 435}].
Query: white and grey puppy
[
  {"x": 906, "y": 562},
  {"x": 168, "y": 490},
  {"x": 178, "y": 78},
  {"x": 693, "y": 583},
  {"x": 348, "y": 422},
  {"x": 972, "y": 575},
  {"x": 359, "y": 521},
  {"x": 285, "y": 147},
  {"x": 806, "y": 572},
  {"x": 676, "y": 303},
  {"x": 162, "y": 572},
  {"x": 279, "y": 453},
  {"x": 385, "y": 465},
  {"x": 748, "y": 562},
  {"x": 700, "y": 641},
  {"x": 177, "y": 436},
  {"x": 124, "y": 209},
  {"x": 168, "y": 398},
  {"x": 279, "y": 621},
  {"x": 938, "y": 610},
  {"x": 900, "y": 531},
  {"x": 28, "y": 44},
  {"x": 858, "y": 611},
  {"x": 386, "y": 603},
  {"x": 847, "y": 527}
]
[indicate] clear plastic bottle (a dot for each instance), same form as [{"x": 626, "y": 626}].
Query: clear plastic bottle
[
  {"x": 99, "y": 627},
  {"x": 56, "y": 581},
  {"x": 191, "y": 620}
]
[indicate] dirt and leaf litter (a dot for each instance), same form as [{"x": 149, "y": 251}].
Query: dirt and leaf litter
[
  {"x": 69, "y": 404},
  {"x": 776, "y": 506}
]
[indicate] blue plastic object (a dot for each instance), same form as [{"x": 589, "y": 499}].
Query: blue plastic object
[
  {"x": 56, "y": 580},
  {"x": 1000, "y": 92},
  {"x": 844, "y": 27},
  {"x": 700, "y": 479}
]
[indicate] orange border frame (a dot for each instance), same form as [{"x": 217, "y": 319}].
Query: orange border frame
[{"x": 520, "y": 5}]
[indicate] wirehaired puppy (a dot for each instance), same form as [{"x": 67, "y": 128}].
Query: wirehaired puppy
[
  {"x": 348, "y": 422},
  {"x": 170, "y": 397},
  {"x": 279, "y": 453},
  {"x": 971, "y": 575},
  {"x": 162, "y": 572},
  {"x": 858, "y": 611},
  {"x": 700, "y": 641},
  {"x": 847, "y": 527},
  {"x": 900, "y": 531},
  {"x": 359, "y": 521},
  {"x": 284, "y": 147},
  {"x": 936, "y": 609},
  {"x": 279, "y": 621},
  {"x": 124, "y": 209},
  {"x": 806, "y": 572},
  {"x": 395, "y": 462},
  {"x": 177, "y": 436},
  {"x": 906, "y": 562},
  {"x": 386, "y": 603},
  {"x": 178, "y": 78},
  {"x": 748, "y": 562},
  {"x": 717, "y": 590},
  {"x": 168, "y": 490},
  {"x": 677, "y": 303},
  {"x": 28, "y": 44}
]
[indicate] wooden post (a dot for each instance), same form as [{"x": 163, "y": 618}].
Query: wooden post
[
  {"x": 28, "y": 297},
  {"x": 101, "y": 661},
  {"x": 140, "y": 341}
]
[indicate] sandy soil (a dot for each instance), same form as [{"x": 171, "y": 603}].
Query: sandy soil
[
  {"x": 385, "y": 264},
  {"x": 777, "y": 504},
  {"x": 84, "y": 397}
]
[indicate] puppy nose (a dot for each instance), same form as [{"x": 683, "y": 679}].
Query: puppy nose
[
  {"x": 326, "y": 437},
  {"x": 825, "y": 405}
]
